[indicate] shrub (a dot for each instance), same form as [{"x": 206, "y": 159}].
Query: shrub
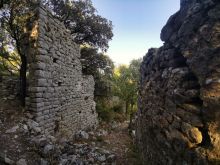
[
  {"x": 104, "y": 113},
  {"x": 119, "y": 117},
  {"x": 118, "y": 108}
]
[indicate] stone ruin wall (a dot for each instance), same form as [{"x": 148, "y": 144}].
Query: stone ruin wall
[
  {"x": 59, "y": 96},
  {"x": 9, "y": 87},
  {"x": 178, "y": 121}
]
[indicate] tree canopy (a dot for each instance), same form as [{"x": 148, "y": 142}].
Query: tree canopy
[
  {"x": 125, "y": 83},
  {"x": 81, "y": 18},
  {"x": 100, "y": 66}
]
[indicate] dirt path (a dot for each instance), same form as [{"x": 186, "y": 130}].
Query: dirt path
[{"x": 121, "y": 143}]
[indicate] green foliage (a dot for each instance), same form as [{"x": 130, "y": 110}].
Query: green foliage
[
  {"x": 109, "y": 112},
  {"x": 119, "y": 117},
  {"x": 118, "y": 108},
  {"x": 125, "y": 84},
  {"x": 104, "y": 112},
  {"x": 9, "y": 58},
  {"x": 95, "y": 63},
  {"x": 10, "y": 64},
  {"x": 100, "y": 66},
  {"x": 81, "y": 18}
]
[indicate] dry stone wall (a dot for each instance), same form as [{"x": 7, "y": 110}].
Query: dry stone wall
[
  {"x": 59, "y": 96},
  {"x": 178, "y": 121},
  {"x": 9, "y": 87}
]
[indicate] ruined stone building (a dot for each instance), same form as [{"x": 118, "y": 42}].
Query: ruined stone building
[
  {"x": 179, "y": 102},
  {"x": 59, "y": 96}
]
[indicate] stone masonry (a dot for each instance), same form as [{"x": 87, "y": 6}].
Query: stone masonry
[
  {"x": 59, "y": 96},
  {"x": 9, "y": 87},
  {"x": 178, "y": 120}
]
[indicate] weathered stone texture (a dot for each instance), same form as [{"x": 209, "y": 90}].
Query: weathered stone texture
[
  {"x": 179, "y": 103},
  {"x": 9, "y": 87},
  {"x": 60, "y": 97}
]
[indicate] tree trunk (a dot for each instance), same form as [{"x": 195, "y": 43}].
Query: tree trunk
[
  {"x": 126, "y": 107},
  {"x": 131, "y": 115},
  {"x": 23, "y": 82},
  {"x": 132, "y": 106}
]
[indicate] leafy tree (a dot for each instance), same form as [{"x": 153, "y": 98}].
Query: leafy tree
[
  {"x": 13, "y": 19},
  {"x": 79, "y": 16},
  {"x": 100, "y": 66},
  {"x": 125, "y": 82},
  {"x": 9, "y": 63},
  {"x": 9, "y": 58},
  {"x": 123, "y": 85}
]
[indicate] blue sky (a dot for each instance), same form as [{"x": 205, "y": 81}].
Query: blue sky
[{"x": 137, "y": 25}]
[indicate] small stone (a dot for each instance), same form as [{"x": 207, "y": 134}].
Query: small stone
[
  {"x": 48, "y": 148},
  {"x": 111, "y": 157},
  {"x": 91, "y": 160},
  {"x": 102, "y": 158},
  {"x": 25, "y": 127},
  {"x": 82, "y": 135},
  {"x": 43, "y": 162},
  {"x": 102, "y": 133},
  {"x": 9, "y": 161},
  {"x": 40, "y": 141},
  {"x": 195, "y": 135},
  {"x": 63, "y": 161},
  {"x": 79, "y": 162},
  {"x": 114, "y": 125},
  {"x": 72, "y": 157},
  {"x": 105, "y": 151},
  {"x": 208, "y": 81},
  {"x": 34, "y": 125},
  {"x": 37, "y": 129},
  {"x": 91, "y": 133},
  {"x": 29, "y": 115},
  {"x": 21, "y": 162},
  {"x": 52, "y": 138},
  {"x": 133, "y": 133},
  {"x": 13, "y": 129}
]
